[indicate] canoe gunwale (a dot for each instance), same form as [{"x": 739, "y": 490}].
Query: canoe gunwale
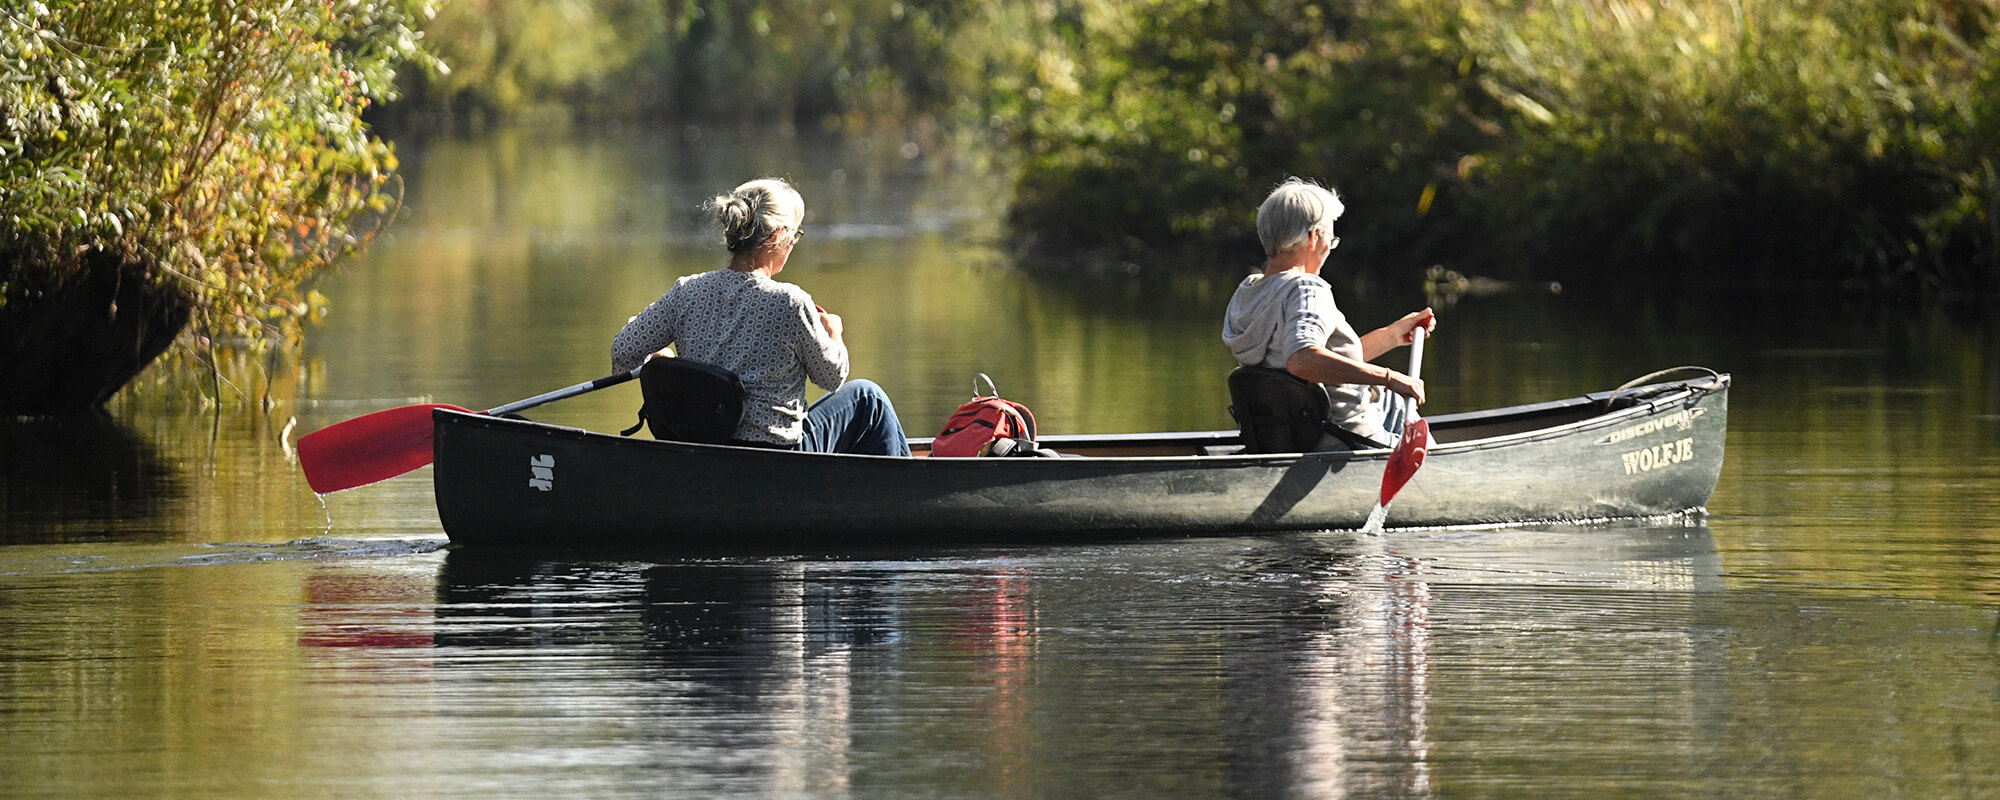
[
  {"x": 1646, "y": 400},
  {"x": 1684, "y": 395}
]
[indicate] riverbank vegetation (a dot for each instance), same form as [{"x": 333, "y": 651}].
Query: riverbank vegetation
[
  {"x": 178, "y": 169},
  {"x": 1761, "y": 142},
  {"x": 1847, "y": 141},
  {"x": 190, "y": 164},
  {"x": 1730, "y": 141}
]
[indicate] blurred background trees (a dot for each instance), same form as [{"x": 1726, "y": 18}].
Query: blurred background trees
[
  {"x": 807, "y": 62},
  {"x": 1753, "y": 142},
  {"x": 201, "y": 159}
]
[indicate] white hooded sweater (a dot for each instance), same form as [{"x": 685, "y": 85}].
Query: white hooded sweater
[{"x": 1270, "y": 318}]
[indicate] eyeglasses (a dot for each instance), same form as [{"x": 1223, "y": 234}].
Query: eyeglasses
[{"x": 1332, "y": 241}]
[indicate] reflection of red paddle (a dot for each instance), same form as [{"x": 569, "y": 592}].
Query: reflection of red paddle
[
  {"x": 382, "y": 445},
  {"x": 1416, "y": 440}
]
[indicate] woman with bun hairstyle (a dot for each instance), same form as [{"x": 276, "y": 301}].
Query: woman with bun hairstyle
[{"x": 769, "y": 333}]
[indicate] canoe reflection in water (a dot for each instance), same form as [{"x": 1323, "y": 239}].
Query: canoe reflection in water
[
  {"x": 1317, "y": 664},
  {"x": 1263, "y": 667}
]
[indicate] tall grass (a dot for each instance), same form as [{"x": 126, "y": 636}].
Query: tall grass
[{"x": 1773, "y": 140}]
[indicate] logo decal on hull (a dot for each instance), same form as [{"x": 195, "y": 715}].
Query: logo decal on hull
[
  {"x": 543, "y": 470},
  {"x": 1680, "y": 421}
]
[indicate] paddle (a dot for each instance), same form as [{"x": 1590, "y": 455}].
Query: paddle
[
  {"x": 388, "y": 443},
  {"x": 1415, "y": 442}
]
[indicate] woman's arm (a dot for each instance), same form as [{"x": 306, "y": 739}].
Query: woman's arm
[
  {"x": 820, "y": 347},
  {"x": 643, "y": 335},
  {"x": 1315, "y": 363},
  {"x": 1396, "y": 334}
]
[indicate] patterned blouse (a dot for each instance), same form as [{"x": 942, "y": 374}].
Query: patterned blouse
[{"x": 765, "y": 331}]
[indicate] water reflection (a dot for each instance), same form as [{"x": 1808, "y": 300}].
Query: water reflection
[
  {"x": 1291, "y": 666},
  {"x": 1122, "y": 672},
  {"x": 77, "y": 479},
  {"x": 1557, "y": 661}
]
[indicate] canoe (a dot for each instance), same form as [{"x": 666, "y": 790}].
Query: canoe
[{"x": 1650, "y": 451}]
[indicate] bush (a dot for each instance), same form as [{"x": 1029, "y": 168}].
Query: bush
[
  {"x": 1169, "y": 122},
  {"x": 1735, "y": 140},
  {"x": 197, "y": 158},
  {"x": 1769, "y": 141}
]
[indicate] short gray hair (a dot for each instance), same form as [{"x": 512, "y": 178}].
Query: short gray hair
[
  {"x": 750, "y": 213},
  {"x": 1293, "y": 211}
]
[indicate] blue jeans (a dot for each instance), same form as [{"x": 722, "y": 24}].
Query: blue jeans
[
  {"x": 857, "y": 418},
  {"x": 1395, "y": 412}
]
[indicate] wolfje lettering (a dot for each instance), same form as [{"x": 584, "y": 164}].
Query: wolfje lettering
[{"x": 1658, "y": 456}]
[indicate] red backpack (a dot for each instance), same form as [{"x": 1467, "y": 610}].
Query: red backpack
[{"x": 976, "y": 427}]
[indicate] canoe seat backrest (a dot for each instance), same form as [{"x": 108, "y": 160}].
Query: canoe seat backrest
[
  {"x": 689, "y": 401},
  {"x": 1277, "y": 411}
]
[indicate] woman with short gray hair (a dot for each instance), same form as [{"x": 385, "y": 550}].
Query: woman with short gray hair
[
  {"x": 768, "y": 332},
  {"x": 1284, "y": 318}
]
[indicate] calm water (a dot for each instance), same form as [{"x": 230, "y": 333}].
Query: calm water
[{"x": 181, "y": 617}]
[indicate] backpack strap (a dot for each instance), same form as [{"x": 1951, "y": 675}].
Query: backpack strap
[
  {"x": 1019, "y": 448},
  {"x": 1024, "y": 420}
]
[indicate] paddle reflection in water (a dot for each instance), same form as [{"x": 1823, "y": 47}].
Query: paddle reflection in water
[{"x": 1299, "y": 666}]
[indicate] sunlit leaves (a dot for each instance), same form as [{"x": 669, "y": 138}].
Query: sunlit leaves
[
  {"x": 218, "y": 144},
  {"x": 1788, "y": 139},
  {"x": 1806, "y": 138},
  {"x": 1185, "y": 112}
]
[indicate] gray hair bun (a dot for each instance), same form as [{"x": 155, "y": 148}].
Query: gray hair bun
[{"x": 750, "y": 213}]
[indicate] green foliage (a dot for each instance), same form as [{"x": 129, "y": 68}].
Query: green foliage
[
  {"x": 1789, "y": 139},
  {"x": 512, "y": 55},
  {"x": 1162, "y": 124},
  {"x": 1771, "y": 140},
  {"x": 848, "y": 62},
  {"x": 213, "y": 147}
]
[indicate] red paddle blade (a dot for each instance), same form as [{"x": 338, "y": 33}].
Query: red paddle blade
[
  {"x": 1404, "y": 460},
  {"x": 368, "y": 448}
]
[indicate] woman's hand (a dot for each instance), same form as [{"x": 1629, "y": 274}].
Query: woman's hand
[
  {"x": 1396, "y": 334},
  {"x": 1405, "y": 385},
  {"x": 1405, "y": 329},
  {"x": 831, "y": 322}
]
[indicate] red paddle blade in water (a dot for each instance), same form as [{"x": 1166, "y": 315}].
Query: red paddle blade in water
[
  {"x": 368, "y": 448},
  {"x": 1403, "y": 461}
]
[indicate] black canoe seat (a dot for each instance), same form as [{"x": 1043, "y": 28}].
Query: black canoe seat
[
  {"x": 689, "y": 401},
  {"x": 1277, "y": 412}
]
